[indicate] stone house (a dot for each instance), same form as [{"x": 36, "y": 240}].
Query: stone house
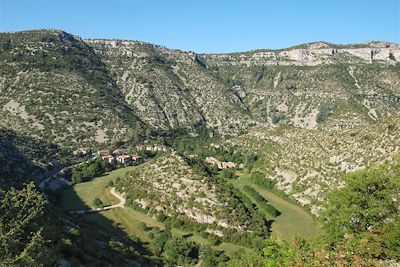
[
  {"x": 124, "y": 159},
  {"x": 119, "y": 152},
  {"x": 137, "y": 159},
  {"x": 102, "y": 153}
]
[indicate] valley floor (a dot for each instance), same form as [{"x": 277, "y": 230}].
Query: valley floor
[
  {"x": 131, "y": 221},
  {"x": 293, "y": 220}
]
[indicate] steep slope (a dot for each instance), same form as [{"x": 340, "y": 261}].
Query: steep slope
[
  {"x": 54, "y": 86},
  {"x": 23, "y": 159},
  {"x": 304, "y": 87},
  {"x": 309, "y": 163},
  {"x": 170, "y": 185},
  {"x": 57, "y": 86},
  {"x": 234, "y": 91},
  {"x": 70, "y": 92},
  {"x": 169, "y": 88}
]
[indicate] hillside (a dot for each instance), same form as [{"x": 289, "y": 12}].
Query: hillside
[
  {"x": 291, "y": 86},
  {"x": 99, "y": 91},
  {"x": 298, "y": 119},
  {"x": 307, "y": 164},
  {"x": 54, "y": 86},
  {"x": 170, "y": 89},
  {"x": 304, "y": 109},
  {"x": 171, "y": 187},
  {"x": 24, "y": 159}
]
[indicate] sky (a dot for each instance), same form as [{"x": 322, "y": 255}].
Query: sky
[{"x": 211, "y": 26}]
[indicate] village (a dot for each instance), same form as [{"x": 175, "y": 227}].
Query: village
[
  {"x": 123, "y": 157},
  {"x": 117, "y": 158},
  {"x": 120, "y": 155},
  {"x": 222, "y": 165}
]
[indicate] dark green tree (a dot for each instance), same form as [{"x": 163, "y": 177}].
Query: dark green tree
[
  {"x": 21, "y": 228},
  {"x": 365, "y": 213},
  {"x": 97, "y": 203},
  {"x": 177, "y": 250}
]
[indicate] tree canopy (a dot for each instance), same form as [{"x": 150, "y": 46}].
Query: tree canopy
[{"x": 21, "y": 231}]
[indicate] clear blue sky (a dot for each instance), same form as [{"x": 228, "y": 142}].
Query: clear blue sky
[{"x": 211, "y": 25}]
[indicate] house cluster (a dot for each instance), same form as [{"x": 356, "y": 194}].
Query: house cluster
[
  {"x": 220, "y": 164},
  {"x": 119, "y": 156},
  {"x": 153, "y": 148}
]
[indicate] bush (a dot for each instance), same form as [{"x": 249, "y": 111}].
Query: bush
[
  {"x": 263, "y": 182},
  {"x": 261, "y": 201},
  {"x": 228, "y": 174},
  {"x": 89, "y": 170},
  {"x": 324, "y": 112},
  {"x": 97, "y": 203}
]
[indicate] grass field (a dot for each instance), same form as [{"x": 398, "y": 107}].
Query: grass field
[
  {"x": 130, "y": 221},
  {"x": 293, "y": 221},
  {"x": 88, "y": 191}
]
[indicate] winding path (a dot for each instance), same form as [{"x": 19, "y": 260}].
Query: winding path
[
  {"x": 121, "y": 204},
  {"x": 53, "y": 174}
]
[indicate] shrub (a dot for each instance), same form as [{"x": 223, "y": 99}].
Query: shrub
[
  {"x": 324, "y": 112},
  {"x": 261, "y": 201},
  {"x": 97, "y": 203}
]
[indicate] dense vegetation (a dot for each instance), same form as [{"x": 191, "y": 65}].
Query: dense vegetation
[
  {"x": 207, "y": 143},
  {"x": 283, "y": 122},
  {"x": 361, "y": 223},
  {"x": 89, "y": 170},
  {"x": 262, "y": 202},
  {"x": 23, "y": 159},
  {"x": 365, "y": 214},
  {"x": 260, "y": 180},
  {"x": 22, "y": 240}
]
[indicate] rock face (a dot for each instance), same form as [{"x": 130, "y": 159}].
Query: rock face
[
  {"x": 53, "y": 86},
  {"x": 72, "y": 91},
  {"x": 168, "y": 88},
  {"x": 314, "y": 54},
  {"x": 338, "y": 105}
]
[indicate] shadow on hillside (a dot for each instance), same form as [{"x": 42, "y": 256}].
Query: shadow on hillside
[
  {"x": 22, "y": 158},
  {"x": 101, "y": 240}
]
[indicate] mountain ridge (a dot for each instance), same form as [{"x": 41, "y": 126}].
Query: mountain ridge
[
  {"x": 169, "y": 89},
  {"x": 96, "y": 93}
]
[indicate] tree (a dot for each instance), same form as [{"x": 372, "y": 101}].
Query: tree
[
  {"x": 21, "y": 228},
  {"x": 249, "y": 160},
  {"x": 76, "y": 176},
  {"x": 210, "y": 257},
  {"x": 177, "y": 250},
  {"x": 97, "y": 203},
  {"x": 365, "y": 213},
  {"x": 110, "y": 184},
  {"x": 228, "y": 174},
  {"x": 7, "y": 45}
]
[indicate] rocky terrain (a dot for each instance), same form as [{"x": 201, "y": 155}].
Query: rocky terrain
[
  {"x": 313, "y": 54},
  {"x": 308, "y": 163},
  {"x": 54, "y": 86},
  {"x": 172, "y": 187},
  {"x": 168, "y": 88},
  {"x": 312, "y": 112},
  {"x": 100, "y": 89}
]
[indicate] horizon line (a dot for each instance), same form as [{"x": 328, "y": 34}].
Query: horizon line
[{"x": 202, "y": 53}]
